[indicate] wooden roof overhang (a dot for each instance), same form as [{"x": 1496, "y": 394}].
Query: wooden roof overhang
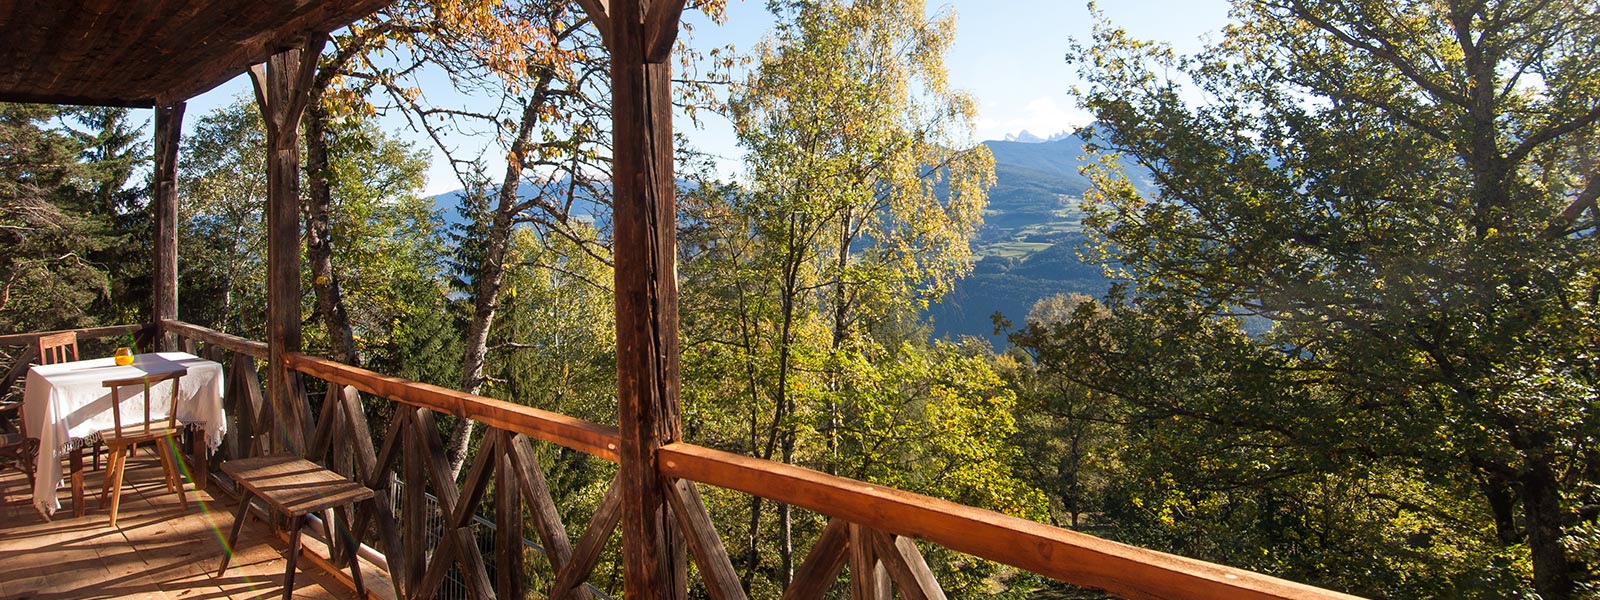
[{"x": 143, "y": 53}]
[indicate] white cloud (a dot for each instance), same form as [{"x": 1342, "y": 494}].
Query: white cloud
[{"x": 1043, "y": 116}]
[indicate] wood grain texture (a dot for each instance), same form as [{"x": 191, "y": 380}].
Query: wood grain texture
[
  {"x": 1122, "y": 570},
  {"x": 164, "y": 214},
  {"x": 905, "y": 566},
  {"x": 646, "y": 291},
  {"x": 556, "y": 428},
  {"x": 294, "y": 486},
  {"x": 822, "y": 564},
  {"x": 142, "y": 53},
  {"x": 546, "y": 518},
  {"x": 216, "y": 338},
  {"x": 508, "y": 548},
  {"x": 282, "y": 90},
  {"x": 867, "y": 579},
  {"x": 716, "y": 570}
]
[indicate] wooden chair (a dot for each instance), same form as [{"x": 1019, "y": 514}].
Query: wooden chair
[
  {"x": 122, "y": 439},
  {"x": 18, "y": 451},
  {"x": 58, "y": 348},
  {"x": 296, "y": 488}
]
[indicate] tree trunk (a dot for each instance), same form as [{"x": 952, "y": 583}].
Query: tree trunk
[
  {"x": 1541, "y": 505},
  {"x": 319, "y": 238},
  {"x": 491, "y": 276}
]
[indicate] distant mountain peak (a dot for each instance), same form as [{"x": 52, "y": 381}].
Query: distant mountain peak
[{"x": 1027, "y": 137}]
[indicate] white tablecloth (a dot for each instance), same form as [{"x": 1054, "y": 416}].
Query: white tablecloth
[{"x": 65, "y": 405}]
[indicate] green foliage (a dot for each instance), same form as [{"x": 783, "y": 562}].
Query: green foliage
[
  {"x": 65, "y": 208},
  {"x": 803, "y": 286},
  {"x": 1403, "y": 191},
  {"x": 221, "y": 225}
]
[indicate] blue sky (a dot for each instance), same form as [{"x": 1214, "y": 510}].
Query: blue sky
[{"x": 1008, "y": 54}]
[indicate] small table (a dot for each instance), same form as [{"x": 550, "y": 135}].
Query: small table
[
  {"x": 295, "y": 487},
  {"x": 66, "y": 405}
]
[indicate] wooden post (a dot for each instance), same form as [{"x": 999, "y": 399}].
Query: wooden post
[
  {"x": 282, "y": 89},
  {"x": 646, "y": 289},
  {"x": 164, "y": 205}
]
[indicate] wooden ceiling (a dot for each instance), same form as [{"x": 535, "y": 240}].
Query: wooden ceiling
[{"x": 143, "y": 52}]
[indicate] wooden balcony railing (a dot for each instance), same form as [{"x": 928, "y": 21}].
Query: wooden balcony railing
[{"x": 873, "y": 531}]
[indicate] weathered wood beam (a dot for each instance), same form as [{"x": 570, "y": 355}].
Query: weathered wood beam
[
  {"x": 906, "y": 567},
  {"x": 1078, "y": 558},
  {"x": 164, "y": 206},
  {"x": 661, "y": 28},
  {"x": 282, "y": 89},
  {"x": 716, "y": 570},
  {"x": 456, "y": 542},
  {"x": 216, "y": 338},
  {"x": 599, "y": 12},
  {"x": 311, "y": 19},
  {"x": 546, "y": 518},
  {"x": 508, "y": 518},
  {"x": 868, "y": 581},
  {"x": 822, "y": 564},
  {"x": 556, "y": 428},
  {"x": 646, "y": 291}
]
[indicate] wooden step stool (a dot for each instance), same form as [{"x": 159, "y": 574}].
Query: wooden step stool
[{"x": 297, "y": 488}]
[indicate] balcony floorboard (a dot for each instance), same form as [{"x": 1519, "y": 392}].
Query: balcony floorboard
[{"x": 158, "y": 550}]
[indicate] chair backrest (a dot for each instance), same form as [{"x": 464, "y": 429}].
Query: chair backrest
[
  {"x": 58, "y": 348},
  {"x": 148, "y": 381}
]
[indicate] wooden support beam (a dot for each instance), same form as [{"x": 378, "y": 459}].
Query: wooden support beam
[
  {"x": 546, "y": 518},
  {"x": 646, "y": 300},
  {"x": 599, "y": 12},
  {"x": 164, "y": 209},
  {"x": 587, "y": 554},
  {"x": 716, "y": 570},
  {"x": 508, "y": 521},
  {"x": 868, "y": 581},
  {"x": 906, "y": 567},
  {"x": 822, "y": 565},
  {"x": 282, "y": 88},
  {"x": 661, "y": 28},
  {"x": 454, "y": 541}
]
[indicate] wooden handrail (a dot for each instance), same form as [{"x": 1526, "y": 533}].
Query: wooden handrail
[
  {"x": 1081, "y": 559},
  {"x": 556, "y": 428},
  {"x": 216, "y": 338},
  {"x": 1077, "y": 558},
  {"x": 19, "y": 339}
]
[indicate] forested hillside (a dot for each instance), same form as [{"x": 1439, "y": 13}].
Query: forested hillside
[{"x": 1032, "y": 242}]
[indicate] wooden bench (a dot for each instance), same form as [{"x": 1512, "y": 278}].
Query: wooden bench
[{"x": 297, "y": 488}]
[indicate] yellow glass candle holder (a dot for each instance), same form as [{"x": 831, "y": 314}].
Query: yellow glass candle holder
[{"x": 123, "y": 356}]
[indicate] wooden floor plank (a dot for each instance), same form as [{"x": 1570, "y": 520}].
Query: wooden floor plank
[{"x": 160, "y": 550}]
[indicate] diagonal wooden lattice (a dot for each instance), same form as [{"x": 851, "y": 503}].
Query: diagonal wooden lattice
[{"x": 876, "y": 560}]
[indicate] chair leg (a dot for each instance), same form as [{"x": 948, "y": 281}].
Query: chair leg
[
  {"x": 166, "y": 463},
  {"x": 177, "y": 470},
  {"x": 353, "y": 546},
  {"x": 294, "y": 557},
  {"x": 116, "y": 487},
  {"x": 113, "y": 460},
  {"x": 233, "y": 537}
]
